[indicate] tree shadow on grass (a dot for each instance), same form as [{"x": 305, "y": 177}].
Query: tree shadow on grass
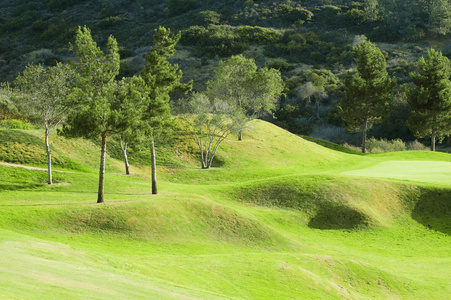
[
  {"x": 18, "y": 186},
  {"x": 433, "y": 210}
]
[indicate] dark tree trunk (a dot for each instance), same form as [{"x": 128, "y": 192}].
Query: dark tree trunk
[
  {"x": 49, "y": 156},
  {"x": 124, "y": 152},
  {"x": 154, "y": 168},
  {"x": 100, "y": 198},
  {"x": 240, "y": 135},
  {"x": 433, "y": 135},
  {"x": 433, "y": 142},
  {"x": 364, "y": 132}
]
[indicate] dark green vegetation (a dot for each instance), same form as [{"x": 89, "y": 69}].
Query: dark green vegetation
[
  {"x": 299, "y": 38},
  {"x": 281, "y": 218}
]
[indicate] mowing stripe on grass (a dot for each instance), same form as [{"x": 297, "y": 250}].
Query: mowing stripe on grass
[{"x": 437, "y": 172}]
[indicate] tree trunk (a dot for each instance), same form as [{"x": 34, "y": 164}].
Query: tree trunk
[
  {"x": 49, "y": 155},
  {"x": 433, "y": 135},
  {"x": 240, "y": 135},
  {"x": 124, "y": 152},
  {"x": 364, "y": 131},
  {"x": 154, "y": 168},
  {"x": 102, "y": 170}
]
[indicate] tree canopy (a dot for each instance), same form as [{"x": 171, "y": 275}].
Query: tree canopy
[{"x": 240, "y": 82}]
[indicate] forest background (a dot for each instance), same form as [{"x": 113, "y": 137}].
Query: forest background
[{"x": 310, "y": 42}]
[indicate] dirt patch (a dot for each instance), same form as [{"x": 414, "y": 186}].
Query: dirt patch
[{"x": 30, "y": 168}]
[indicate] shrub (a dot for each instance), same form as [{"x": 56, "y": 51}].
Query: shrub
[
  {"x": 352, "y": 147},
  {"x": 258, "y": 35},
  {"x": 416, "y": 145},
  {"x": 109, "y": 22},
  {"x": 208, "y": 17},
  {"x": 222, "y": 41},
  {"x": 16, "y": 124},
  {"x": 193, "y": 35},
  {"x": 279, "y": 64},
  {"x": 383, "y": 145}
]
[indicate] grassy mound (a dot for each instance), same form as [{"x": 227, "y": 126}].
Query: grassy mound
[{"x": 280, "y": 218}]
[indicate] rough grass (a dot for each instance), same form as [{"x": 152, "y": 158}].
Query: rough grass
[{"x": 279, "y": 219}]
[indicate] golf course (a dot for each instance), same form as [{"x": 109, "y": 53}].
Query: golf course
[{"x": 276, "y": 217}]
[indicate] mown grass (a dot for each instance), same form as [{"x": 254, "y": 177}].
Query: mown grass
[{"x": 280, "y": 219}]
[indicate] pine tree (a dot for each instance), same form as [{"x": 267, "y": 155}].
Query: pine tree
[
  {"x": 368, "y": 94},
  {"x": 430, "y": 98},
  {"x": 162, "y": 79},
  {"x": 104, "y": 107}
]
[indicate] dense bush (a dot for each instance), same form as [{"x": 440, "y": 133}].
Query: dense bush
[
  {"x": 309, "y": 47},
  {"x": 383, "y": 145},
  {"x": 208, "y": 17},
  {"x": 221, "y": 41},
  {"x": 279, "y": 64},
  {"x": 258, "y": 35},
  {"x": 193, "y": 35},
  {"x": 416, "y": 145}
]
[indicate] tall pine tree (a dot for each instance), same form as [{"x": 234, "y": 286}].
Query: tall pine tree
[
  {"x": 104, "y": 107},
  {"x": 368, "y": 94},
  {"x": 430, "y": 98},
  {"x": 162, "y": 79}
]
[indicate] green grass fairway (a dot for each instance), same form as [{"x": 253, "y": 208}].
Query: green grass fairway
[
  {"x": 436, "y": 172},
  {"x": 278, "y": 217}
]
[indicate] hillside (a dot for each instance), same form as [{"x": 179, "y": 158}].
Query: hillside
[
  {"x": 278, "y": 217},
  {"x": 310, "y": 42}
]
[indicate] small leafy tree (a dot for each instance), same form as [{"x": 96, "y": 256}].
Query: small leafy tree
[
  {"x": 430, "y": 98},
  {"x": 103, "y": 106},
  {"x": 43, "y": 98},
  {"x": 211, "y": 122},
  {"x": 368, "y": 94},
  {"x": 239, "y": 82}
]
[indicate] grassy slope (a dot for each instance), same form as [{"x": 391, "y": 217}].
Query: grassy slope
[{"x": 279, "y": 219}]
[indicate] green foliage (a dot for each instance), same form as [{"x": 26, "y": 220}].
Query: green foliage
[
  {"x": 208, "y": 17},
  {"x": 193, "y": 35},
  {"x": 16, "y": 124},
  {"x": 355, "y": 17},
  {"x": 8, "y": 110},
  {"x": 239, "y": 82},
  {"x": 109, "y": 22},
  {"x": 309, "y": 47},
  {"x": 161, "y": 78},
  {"x": 43, "y": 93},
  {"x": 95, "y": 86},
  {"x": 221, "y": 41},
  {"x": 279, "y": 64},
  {"x": 258, "y": 35}
]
